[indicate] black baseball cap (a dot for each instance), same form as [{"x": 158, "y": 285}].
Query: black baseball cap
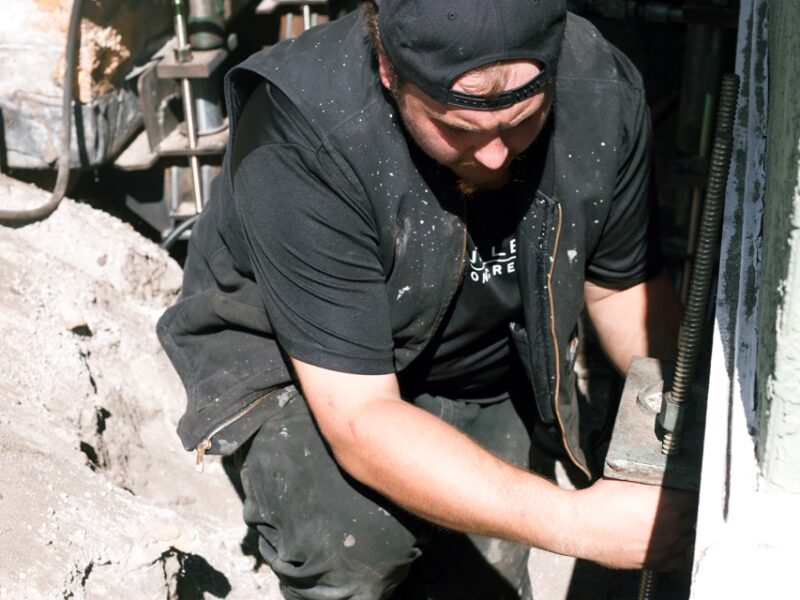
[{"x": 432, "y": 42}]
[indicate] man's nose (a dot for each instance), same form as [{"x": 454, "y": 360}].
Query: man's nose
[{"x": 492, "y": 154}]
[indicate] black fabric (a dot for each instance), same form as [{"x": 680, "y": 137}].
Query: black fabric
[
  {"x": 323, "y": 284},
  {"x": 472, "y": 356},
  {"x": 326, "y": 294},
  {"x": 327, "y": 536},
  {"x": 629, "y": 249}
]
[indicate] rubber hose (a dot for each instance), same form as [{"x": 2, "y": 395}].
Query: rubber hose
[
  {"x": 18, "y": 218},
  {"x": 707, "y": 240},
  {"x": 177, "y": 231}
]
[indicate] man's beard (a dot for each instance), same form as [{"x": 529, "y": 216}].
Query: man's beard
[{"x": 470, "y": 188}]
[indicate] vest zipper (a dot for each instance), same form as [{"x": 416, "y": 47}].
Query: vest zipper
[
  {"x": 461, "y": 265},
  {"x": 205, "y": 443},
  {"x": 564, "y": 441}
]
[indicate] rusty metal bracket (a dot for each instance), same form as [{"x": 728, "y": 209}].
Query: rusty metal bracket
[
  {"x": 200, "y": 64},
  {"x": 635, "y": 451}
]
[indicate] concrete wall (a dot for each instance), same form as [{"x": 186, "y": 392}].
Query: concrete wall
[
  {"x": 747, "y": 528},
  {"x": 778, "y": 392}
]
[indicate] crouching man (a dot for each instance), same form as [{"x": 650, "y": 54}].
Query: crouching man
[{"x": 417, "y": 203}]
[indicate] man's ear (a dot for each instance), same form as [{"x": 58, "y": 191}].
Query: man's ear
[{"x": 385, "y": 71}]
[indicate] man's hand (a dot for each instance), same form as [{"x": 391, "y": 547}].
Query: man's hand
[{"x": 631, "y": 526}]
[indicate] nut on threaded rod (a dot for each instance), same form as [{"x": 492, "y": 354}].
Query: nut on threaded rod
[{"x": 671, "y": 420}]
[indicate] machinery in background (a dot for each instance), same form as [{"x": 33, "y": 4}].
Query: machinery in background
[
  {"x": 158, "y": 124},
  {"x": 180, "y": 95},
  {"x": 147, "y": 112}
]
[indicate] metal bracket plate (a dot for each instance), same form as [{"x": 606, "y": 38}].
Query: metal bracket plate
[{"x": 635, "y": 450}]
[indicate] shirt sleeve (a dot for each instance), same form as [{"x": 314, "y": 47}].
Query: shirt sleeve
[
  {"x": 629, "y": 252},
  {"x": 312, "y": 242}
]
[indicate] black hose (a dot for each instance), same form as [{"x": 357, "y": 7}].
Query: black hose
[
  {"x": 177, "y": 231},
  {"x": 707, "y": 240},
  {"x": 18, "y": 218}
]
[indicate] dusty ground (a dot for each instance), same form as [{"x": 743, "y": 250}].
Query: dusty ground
[{"x": 97, "y": 498}]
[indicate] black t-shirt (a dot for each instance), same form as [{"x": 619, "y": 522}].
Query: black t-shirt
[
  {"x": 323, "y": 280},
  {"x": 471, "y": 354}
]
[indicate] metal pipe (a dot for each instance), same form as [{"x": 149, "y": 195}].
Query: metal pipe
[
  {"x": 206, "y": 24},
  {"x": 183, "y": 54},
  {"x": 208, "y": 105}
]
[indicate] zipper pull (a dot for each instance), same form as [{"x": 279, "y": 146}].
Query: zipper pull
[{"x": 201, "y": 453}]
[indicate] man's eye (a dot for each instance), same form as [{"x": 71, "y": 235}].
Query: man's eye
[{"x": 454, "y": 130}]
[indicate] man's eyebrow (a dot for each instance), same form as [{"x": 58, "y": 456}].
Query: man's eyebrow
[
  {"x": 437, "y": 118},
  {"x": 458, "y": 126},
  {"x": 470, "y": 128},
  {"x": 527, "y": 115}
]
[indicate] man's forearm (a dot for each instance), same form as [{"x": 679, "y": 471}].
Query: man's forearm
[
  {"x": 427, "y": 466},
  {"x": 436, "y": 472},
  {"x": 639, "y": 321}
]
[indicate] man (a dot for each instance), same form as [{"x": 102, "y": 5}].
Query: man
[{"x": 416, "y": 205}]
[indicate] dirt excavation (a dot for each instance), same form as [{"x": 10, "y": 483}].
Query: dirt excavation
[{"x": 97, "y": 497}]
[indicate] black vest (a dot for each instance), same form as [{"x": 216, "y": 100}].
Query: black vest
[{"x": 218, "y": 335}]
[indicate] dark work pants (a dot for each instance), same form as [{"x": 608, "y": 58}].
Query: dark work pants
[{"x": 328, "y": 537}]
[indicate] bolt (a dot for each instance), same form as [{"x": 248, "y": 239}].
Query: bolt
[{"x": 672, "y": 443}]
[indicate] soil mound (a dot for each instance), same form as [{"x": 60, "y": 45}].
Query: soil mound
[{"x": 97, "y": 497}]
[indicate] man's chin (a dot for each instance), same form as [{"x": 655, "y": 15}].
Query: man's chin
[{"x": 469, "y": 186}]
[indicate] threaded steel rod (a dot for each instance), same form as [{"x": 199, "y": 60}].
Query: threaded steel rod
[{"x": 707, "y": 242}]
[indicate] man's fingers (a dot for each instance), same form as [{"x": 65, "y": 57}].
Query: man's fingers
[{"x": 673, "y": 532}]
